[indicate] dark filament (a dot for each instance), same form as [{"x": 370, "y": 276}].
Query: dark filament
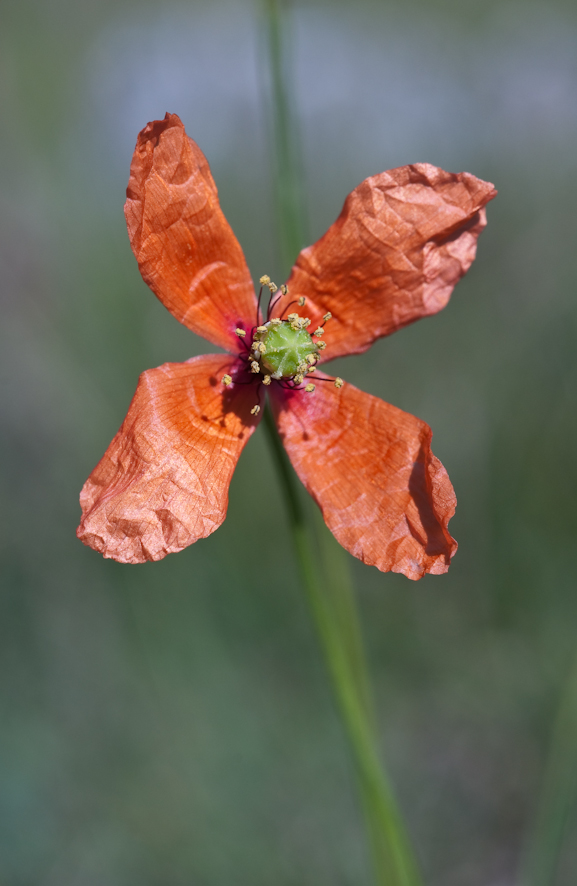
[{"x": 258, "y": 307}]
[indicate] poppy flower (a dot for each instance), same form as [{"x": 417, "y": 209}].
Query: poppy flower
[{"x": 402, "y": 241}]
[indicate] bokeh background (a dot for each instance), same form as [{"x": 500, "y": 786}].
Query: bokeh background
[{"x": 171, "y": 724}]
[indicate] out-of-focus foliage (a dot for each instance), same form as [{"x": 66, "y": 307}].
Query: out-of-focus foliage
[{"x": 171, "y": 724}]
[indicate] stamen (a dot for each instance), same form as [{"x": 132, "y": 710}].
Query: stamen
[
  {"x": 226, "y": 380},
  {"x": 309, "y": 389},
  {"x": 266, "y": 380},
  {"x": 311, "y": 358},
  {"x": 258, "y": 306},
  {"x": 272, "y": 305},
  {"x": 334, "y": 381},
  {"x": 273, "y": 287},
  {"x": 255, "y": 410},
  {"x": 286, "y": 307},
  {"x": 302, "y": 301},
  {"x": 276, "y": 321},
  {"x": 261, "y": 329},
  {"x": 264, "y": 280},
  {"x": 321, "y": 345},
  {"x": 292, "y": 318},
  {"x": 240, "y": 332},
  {"x": 284, "y": 289},
  {"x": 327, "y": 316},
  {"x": 254, "y": 366},
  {"x": 319, "y": 331},
  {"x": 298, "y": 379}
]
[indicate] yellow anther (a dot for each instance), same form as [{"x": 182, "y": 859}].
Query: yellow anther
[
  {"x": 255, "y": 410},
  {"x": 266, "y": 380},
  {"x": 273, "y": 287},
  {"x": 226, "y": 380},
  {"x": 311, "y": 358},
  {"x": 240, "y": 332},
  {"x": 276, "y": 322},
  {"x": 261, "y": 330},
  {"x": 319, "y": 331},
  {"x": 261, "y": 347},
  {"x": 302, "y": 367},
  {"x": 264, "y": 280},
  {"x": 298, "y": 379},
  {"x": 254, "y": 366},
  {"x": 284, "y": 289},
  {"x": 338, "y": 382},
  {"x": 311, "y": 368},
  {"x": 327, "y": 316},
  {"x": 302, "y": 301},
  {"x": 321, "y": 345},
  {"x": 292, "y": 318},
  {"x": 309, "y": 388}
]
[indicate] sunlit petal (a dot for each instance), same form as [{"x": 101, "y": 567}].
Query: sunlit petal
[
  {"x": 369, "y": 466},
  {"x": 402, "y": 241},
  {"x": 163, "y": 481},
  {"x": 185, "y": 248}
]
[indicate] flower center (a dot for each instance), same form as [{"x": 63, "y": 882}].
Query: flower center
[
  {"x": 287, "y": 349},
  {"x": 282, "y": 350}
]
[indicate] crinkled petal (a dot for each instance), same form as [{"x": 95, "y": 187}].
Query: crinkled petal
[
  {"x": 163, "y": 481},
  {"x": 369, "y": 466},
  {"x": 185, "y": 248},
  {"x": 402, "y": 241}
]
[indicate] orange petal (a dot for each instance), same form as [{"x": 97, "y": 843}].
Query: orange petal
[
  {"x": 369, "y": 466},
  {"x": 402, "y": 241},
  {"x": 185, "y": 248},
  {"x": 163, "y": 482}
]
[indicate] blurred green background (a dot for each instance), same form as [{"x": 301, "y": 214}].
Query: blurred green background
[{"x": 171, "y": 723}]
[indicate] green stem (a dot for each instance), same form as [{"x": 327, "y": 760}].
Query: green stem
[
  {"x": 558, "y": 792},
  {"x": 284, "y": 136},
  {"x": 331, "y": 600},
  {"x": 392, "y": 856},
  {"x": 337, "y": 577}
]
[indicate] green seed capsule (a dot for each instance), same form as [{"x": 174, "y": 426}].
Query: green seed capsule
[{"x": 287, "y": 349}]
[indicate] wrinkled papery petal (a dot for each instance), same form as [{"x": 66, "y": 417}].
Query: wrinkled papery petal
[
  {"x": 369, "y": 466},
  {"x": 163, "y": 482},
  {"x": 402, "y": 241},
  {"x": 185, "y": 248}
]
